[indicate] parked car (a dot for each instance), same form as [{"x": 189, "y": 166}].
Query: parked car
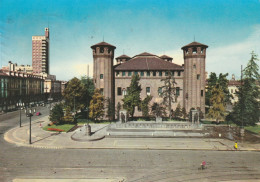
[{"x": 38, "y": 114}]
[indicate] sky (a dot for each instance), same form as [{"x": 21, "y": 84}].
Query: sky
[{"x": 231, "y": 29}]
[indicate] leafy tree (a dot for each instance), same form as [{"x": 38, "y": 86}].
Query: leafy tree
[
  {"x": 246, "y": 110},
  {"x": 177, "y": 112},
  {"x": 118, "y": 108},
  {"x": 110, "y": 109},
  {"x": 217, "y": 110},
  {"x": 145, "y": 105},
  {"x": 168, "y": 92},
  {"x": 57, "y": 114},
  {"x": 96, "y": 108},
  {"x": 158, "y": 110},
  {"x": 75, "y": 94},
  {"x": 222, "y": 81},
  {"x": 68, "y": 116},
  {"x": 90, "y": 87},
  {"x": 184, "y": 113},
  {"x": 132, "y": 99}
]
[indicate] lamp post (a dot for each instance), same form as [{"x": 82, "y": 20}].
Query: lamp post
[
  {"x": 20, "y": 105},
  {"x": 29, "y": 113}
]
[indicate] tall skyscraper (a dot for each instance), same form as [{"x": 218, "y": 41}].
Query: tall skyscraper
[{"x": 40, "y": 53}]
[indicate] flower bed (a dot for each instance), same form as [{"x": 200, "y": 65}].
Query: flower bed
[{"x": 55, "y": 129}]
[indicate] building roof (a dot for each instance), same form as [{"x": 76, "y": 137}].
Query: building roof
[
  {"x": 147, "y": 61},
  {"x": 234, "y": 82},
  {"x": 123, "y": 56},
  {"x": 2, "y": 73},
  {"x": 145, "y": 54},
  {"x": 194, "y": 44},
  {"x": 165, "y": 57},
  {"x": 102, "y": 44}
]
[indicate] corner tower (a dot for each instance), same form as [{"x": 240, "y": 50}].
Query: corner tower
[
  {"x": 194, "y": 76},
  {"x": 103, "y": 72}
]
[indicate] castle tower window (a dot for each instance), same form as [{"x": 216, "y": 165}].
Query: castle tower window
[
  {"x": 101, "y": 76},
  {"x": 160, "y": 73},
  {"x": 129, "y": 73},
  {"x": 142, "y": 73},
  {"x": 101, "y": 49},
  {"x": 177, "y": 91},
  {"x": 148, "y": 73},
  {"x": 119, "y": 91},
  {"x": 201, "y": 93},
  {"x": 154, "y": 73},
  {"x": 101, "y": 91},
  {"x": 159, "y": 91},
  {"x": 198, "y": 76},
  {"x": 148, "y": 91},
  {"x": 123, "y": 73},
  {"x": 124, "y": 92}
]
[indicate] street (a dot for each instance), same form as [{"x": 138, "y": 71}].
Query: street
[{"x": 129, "y": 165}]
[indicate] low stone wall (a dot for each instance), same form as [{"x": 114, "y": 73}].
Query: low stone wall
[{"x": 154, "y": 125}]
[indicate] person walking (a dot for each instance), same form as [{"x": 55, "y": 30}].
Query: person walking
[{"x": 235, "y": 146}]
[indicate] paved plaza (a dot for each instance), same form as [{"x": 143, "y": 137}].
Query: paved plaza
[{"x": 45, "y": 139}]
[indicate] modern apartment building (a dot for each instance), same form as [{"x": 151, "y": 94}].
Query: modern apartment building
[{"x": 40, "y": 53}]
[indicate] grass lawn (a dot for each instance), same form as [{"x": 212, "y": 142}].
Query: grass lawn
[
  {"x": 254, "y": 129},
  {"x": 65, "y": 127}
]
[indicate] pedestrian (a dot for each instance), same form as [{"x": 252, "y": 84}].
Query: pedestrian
[
  {"x": 203, "y": 165},
  {"x": 235, "y": 146}
]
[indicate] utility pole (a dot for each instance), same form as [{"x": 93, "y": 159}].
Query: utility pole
[{"x": 242, "y": 103}]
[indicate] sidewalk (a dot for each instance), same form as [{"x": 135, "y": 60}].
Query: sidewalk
[{"x": 44, "y": 139}]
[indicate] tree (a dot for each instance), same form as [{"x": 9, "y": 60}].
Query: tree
[
  {"x": 90, "y": 87},
  {"x": 96, "y": 108},
  {"x": 217, "y": 110},
  {"x": 132, "y": 99},
  {"x": 168, "y": 92},
  {"x": 222, "y": 81},
  {"x": 57, "y": 114},
  {"x": 158, "y": 110},
  {"x": 68, "y": 116},
  {"x": 145, "y": 105},
  {"x": 110, "y": 109},
  {"x": 118, "y": 108},
  {"x": 177, "y": 112},
  {"x": 184, "y": 113},
  {"x": 75, "y": 94},
  {"x": 246, "y": 110}
]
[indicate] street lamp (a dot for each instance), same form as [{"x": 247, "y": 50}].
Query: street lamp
[
  {"x": 29, "y": 113},
  {"x": 20, "y": 105}
]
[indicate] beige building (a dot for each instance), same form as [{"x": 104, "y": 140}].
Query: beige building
[
  {"x": 17, "y": 68},
  {"x": 113, "y": 80}
]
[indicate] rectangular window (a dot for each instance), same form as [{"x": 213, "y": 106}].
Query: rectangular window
[
  {"x": 166, "y": 73},
  {"x": 201, "y": 93},
  {"x": 148, "y": 91},
  {"x": 129, "y": 73},
  {"x": 172, "y": 73},
  {"x": 154, "y": 73},
  {"x": 136, "y": 72},
  {"x": 179, "y": 73},
  {"x": 123, "y": 73},
  {"x": 117, "y": 73},
  {"x": 124, "y": 92},
  {"x": 160, "y": 73},
  {"x": 148, "y": 73},
  {"x": 142, "y": 73},
  {"x": 159, "y": 91},
  {"x": 177, "y": 91},
  {"x": 119, "y": 91},
  {"x": 101, "y": 91},
  {"x": 198, "y": 76},
  {"x": 101, "y": 76}
]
